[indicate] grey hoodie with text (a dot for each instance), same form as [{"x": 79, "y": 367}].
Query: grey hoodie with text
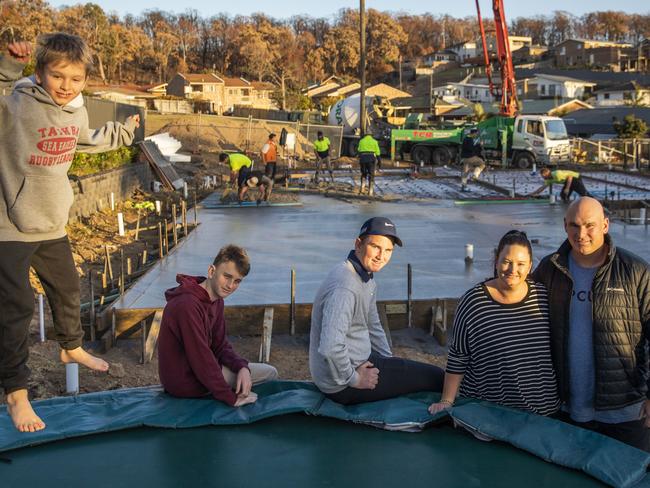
[{"x": 38, "y": 140}]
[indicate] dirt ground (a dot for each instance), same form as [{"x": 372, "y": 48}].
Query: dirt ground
[{"x": 289, "y": 354}]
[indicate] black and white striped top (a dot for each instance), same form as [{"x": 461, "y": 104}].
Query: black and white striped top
[{"x": 504, "y": 350}]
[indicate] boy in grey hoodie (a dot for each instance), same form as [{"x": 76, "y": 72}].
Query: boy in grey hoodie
[{"x": 42, "y": 123}]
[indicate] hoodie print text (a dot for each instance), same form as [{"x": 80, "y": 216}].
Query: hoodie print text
[{"x": 59, "y": 143}]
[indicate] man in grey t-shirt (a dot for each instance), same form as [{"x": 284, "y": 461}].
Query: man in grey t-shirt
[
  {"x": 600, "y": 347},
  {"x": 350, "y": 358}
]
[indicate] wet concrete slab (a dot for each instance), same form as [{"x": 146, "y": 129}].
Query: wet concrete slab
[{"x": 313, "y": 238}]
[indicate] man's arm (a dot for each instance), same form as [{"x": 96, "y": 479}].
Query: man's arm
[
  {"x": 378, "y": 338},
  {"x": 567, "y": 185},
  {"x": 111, "y": 136},
  {"x": 199, "y": 354},
  {"x": 538, "y": 191},
  {"x": 643, "y": 292},
  {"x": 337, "y": 319}
]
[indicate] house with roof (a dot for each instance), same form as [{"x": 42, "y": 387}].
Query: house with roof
[
  {"x": 599, "y": 121},
  {"x": 615, "y": 56},
  {"x": 553, "y": 86},
  {"x": 205, "y": 87},
  {"x": 465, "y": 50},
  {"x": 386, "y": 91},
  {"x": 262, "y": 92},
  {"x": 629, "y": 93}
]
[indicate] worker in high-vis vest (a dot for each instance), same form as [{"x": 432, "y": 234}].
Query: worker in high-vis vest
[
  {"x": 270, "y": 156},
  {"x": 322, "y": 150},
  {"x": 240, "y": 168},
  {"x": 570, "y": 181},
  {"x": 369, "y": 157}
]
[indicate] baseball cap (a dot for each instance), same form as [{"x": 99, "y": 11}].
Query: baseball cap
[{"x": 380, "y": 226}]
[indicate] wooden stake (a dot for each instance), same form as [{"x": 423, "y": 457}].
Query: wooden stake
[
  {"x": 160, "y": 241},
  {"x": 121, "y": 271},
  {"x": 143, "y": 341},
  {"x": 184, "y": 216},
  {"x": 91, "y": 319},
  {"x": 166, "y": 241},
  {"x": 144, "y": 257},
  {"x": 152, "y": 338},
  {"x": 174, "y": 227},
  {"x": 108, "y": 264},
  {"x": 129, "y": 269},
  {"x": 409, "y": 291},
  {"x": 137, "y": 226},
  {"x": 267, "y": 331},
  {"x": 292, "y": 317},
  {"x": 195, "y": 217}
]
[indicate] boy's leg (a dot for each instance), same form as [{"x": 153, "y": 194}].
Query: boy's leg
[
  {"x": 397, "y": 377},
  {"x": 17, "y": 306},
  {"x": 261, "y": 373},
  {"x": 57, "y": 272},
  {"x": 17, "y": 309}
]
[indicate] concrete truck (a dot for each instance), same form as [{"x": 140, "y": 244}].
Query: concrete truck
[
  {"x": 346, "y": 113},
  {"x": 527, "y": 139}
]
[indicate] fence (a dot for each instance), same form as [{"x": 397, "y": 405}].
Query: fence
[
  {"x": 628, "y": 153},
  {"x": 213, "y": 133}
]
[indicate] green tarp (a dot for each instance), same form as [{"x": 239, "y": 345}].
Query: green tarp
[{"x": 605, "y": 459}]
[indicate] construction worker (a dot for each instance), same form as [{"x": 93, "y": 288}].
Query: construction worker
[
  {"x": 571, "y": 181},
  {"x": 471, "y": 156},
  {"x": 259, "y": 180},
  {"x": 322, "y": 150},
  {"x": 369, "y": 156},
  {"x": 240, "y": 167},
  {"x": 270, "y": 156}
]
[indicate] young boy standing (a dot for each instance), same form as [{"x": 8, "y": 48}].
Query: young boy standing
[
  {"x": 42, "y": 123},
  {"x": 195, "y": 358}
]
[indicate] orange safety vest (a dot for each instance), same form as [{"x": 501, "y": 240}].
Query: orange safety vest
[{"x": 270, "y": 156}]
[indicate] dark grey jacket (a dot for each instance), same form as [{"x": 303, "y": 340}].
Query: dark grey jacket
[{"x": 621, "y": 324}]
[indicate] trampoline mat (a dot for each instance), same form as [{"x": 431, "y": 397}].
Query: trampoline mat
[
  {"x": 152, "y": 438},
  {"x": 286, "y": 451}
]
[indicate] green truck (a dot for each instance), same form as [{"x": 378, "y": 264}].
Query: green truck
[{"x": 527, "y": 139}]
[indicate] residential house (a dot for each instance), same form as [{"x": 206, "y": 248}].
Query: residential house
[
  {"x": 551, "y": 86},
  {"x": 529, "y": 54},
  {"x": 630, "y": 93},
  {"x": 262, "y": 92},
  {"x": 465, "y": 51},
  {"x": 515, "y": 42},
  {"x": 613, "y": 56},
  {"x": 439, "y": 58},
  {"x": 599, "y": 122},
  {"x": 238, "y": 91},
  {"x": 208, "y": 88}
]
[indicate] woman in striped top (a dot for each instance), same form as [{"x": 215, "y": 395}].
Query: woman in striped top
[{"x": 500, "y": 349}]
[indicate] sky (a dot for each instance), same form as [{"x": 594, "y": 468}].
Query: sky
[{"x": 281, "y": 9}]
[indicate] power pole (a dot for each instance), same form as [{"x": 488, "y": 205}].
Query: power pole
[
  {"x": 400, "y": 71},
  {"x": 362, "y": 65}
]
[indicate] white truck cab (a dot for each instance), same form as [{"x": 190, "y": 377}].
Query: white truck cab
[{"x": 539, "y": 139}]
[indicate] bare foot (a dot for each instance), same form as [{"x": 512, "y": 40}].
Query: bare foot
[
  {"x": 22, "y": 413},
  {"x": 80, "y": 356}
]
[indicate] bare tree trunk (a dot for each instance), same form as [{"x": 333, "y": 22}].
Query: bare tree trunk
[
  {"x": 284, "y": 92},
  {"x": 100, "y": 67}
]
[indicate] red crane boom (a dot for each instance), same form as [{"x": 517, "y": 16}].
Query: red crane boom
[{"x": 508, "y": 88}]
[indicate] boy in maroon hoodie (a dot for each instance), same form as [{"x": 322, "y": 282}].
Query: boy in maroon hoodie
[{"x": 195, "y": 358}]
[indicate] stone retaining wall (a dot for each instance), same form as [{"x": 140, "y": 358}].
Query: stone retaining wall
[{"x": 93, "y": 192}]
